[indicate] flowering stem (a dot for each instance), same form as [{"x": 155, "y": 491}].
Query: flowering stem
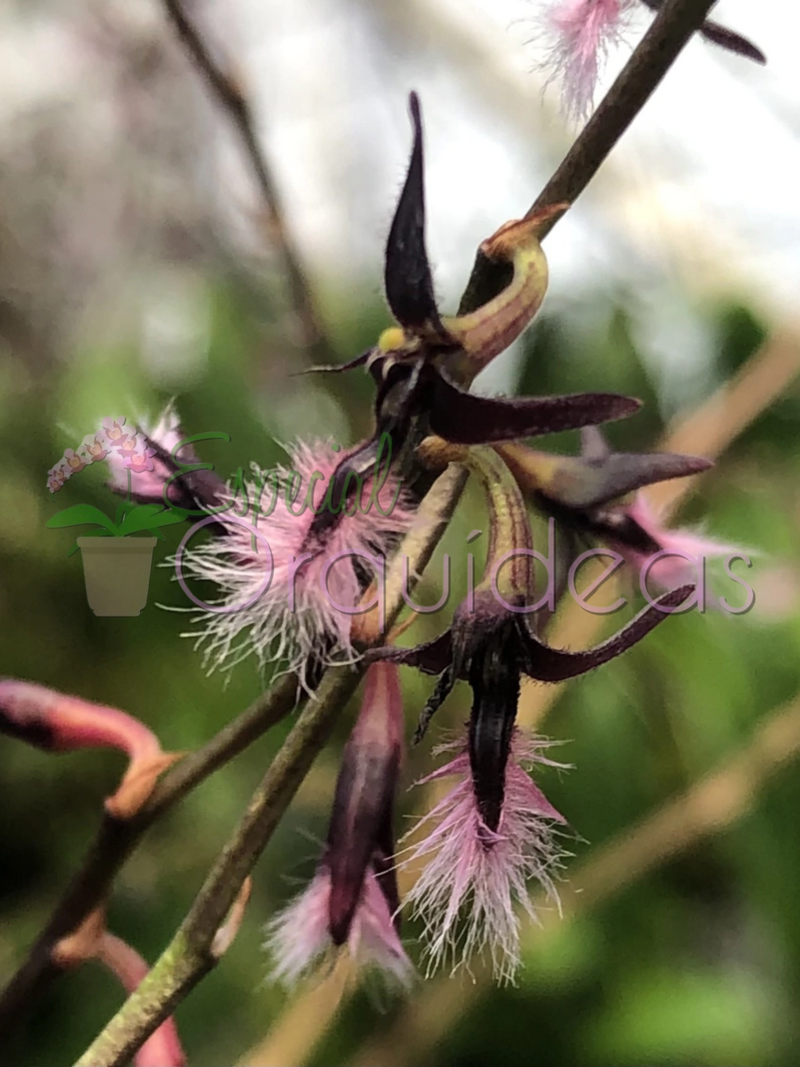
[
  {"x": 659, "y": 48},
  {"x": 116, "y": 839},
  {"x": 189, "y": 955}
]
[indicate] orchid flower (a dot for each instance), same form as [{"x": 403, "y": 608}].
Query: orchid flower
[{"x": 352, "y": 900}]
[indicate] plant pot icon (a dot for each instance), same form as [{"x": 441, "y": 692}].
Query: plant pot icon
[{"x": 117, "y": 573}]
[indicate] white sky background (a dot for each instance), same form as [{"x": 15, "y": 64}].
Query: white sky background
[
  {"x": 698, "y": 201},
  {"x": 699, "y": 198}
]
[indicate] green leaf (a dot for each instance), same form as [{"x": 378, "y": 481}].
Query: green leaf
[
  {"x": 148, "y": 517},
  {"x": 122, "y": 509},
  {"x": 79, "y": 514},
  {"x": 170, "y": 517}
]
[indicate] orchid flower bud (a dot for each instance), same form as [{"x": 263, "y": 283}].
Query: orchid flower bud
[
  {"x": 352, "y": 900},
  {"x": 55, "y": 722},
  {"x": 161, "y": 469},
  {"x": 361, "y": 820}
]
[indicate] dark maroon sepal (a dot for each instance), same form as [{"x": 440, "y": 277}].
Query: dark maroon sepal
[
  {"x": 547, "y": 664},
  {"x": 732, "y": 42},
  {"x": 430, "y": 658},
  {"x": 466, "y": 419},
  {"x": 592, "y": 484},
  {"x": 407, "y": 277}
]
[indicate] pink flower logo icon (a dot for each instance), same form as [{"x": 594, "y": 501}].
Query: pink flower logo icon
[
  {"x": 93, "y": 449},
  {"x": 140, "y": 460},
  {"x": 114, "y": 432}
]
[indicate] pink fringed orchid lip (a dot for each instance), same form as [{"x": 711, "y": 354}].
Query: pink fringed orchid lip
[
  {"x": 283, "y": 588},
  {"x": 475, "y": 876}
]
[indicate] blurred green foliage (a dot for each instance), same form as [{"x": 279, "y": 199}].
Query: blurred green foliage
[{"x": 698, "y": 964}]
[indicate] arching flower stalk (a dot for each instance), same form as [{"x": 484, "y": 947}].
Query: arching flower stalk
[{"x": 352, "y": 901}]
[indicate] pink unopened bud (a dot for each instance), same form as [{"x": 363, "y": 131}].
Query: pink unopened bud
[{"x": 56, "y": 722}]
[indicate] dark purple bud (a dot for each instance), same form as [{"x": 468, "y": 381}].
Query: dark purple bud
[
  {"x": 733, "y": 42},
  {"x": 719, "y": 35},
  {"x": 361, "y": 819}
]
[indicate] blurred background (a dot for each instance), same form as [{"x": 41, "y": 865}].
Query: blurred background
[{"x": 137, "y": 265}]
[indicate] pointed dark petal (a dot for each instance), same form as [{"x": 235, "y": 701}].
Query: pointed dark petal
[
  {"x": 620, "y": 473},
  {"x": 732, "y": 42},
  {"x": 548, "y": 664},
  {"x": 407, "y": 276},
  {"x": 336, "y": 368},
  {"x": 431, "y": 658},
  {"x": 465, "y": 419},
  {"x": 442, "y": 691}
]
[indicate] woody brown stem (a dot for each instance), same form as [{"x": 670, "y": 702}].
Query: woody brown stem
[{"x": 231, "y": 97}]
